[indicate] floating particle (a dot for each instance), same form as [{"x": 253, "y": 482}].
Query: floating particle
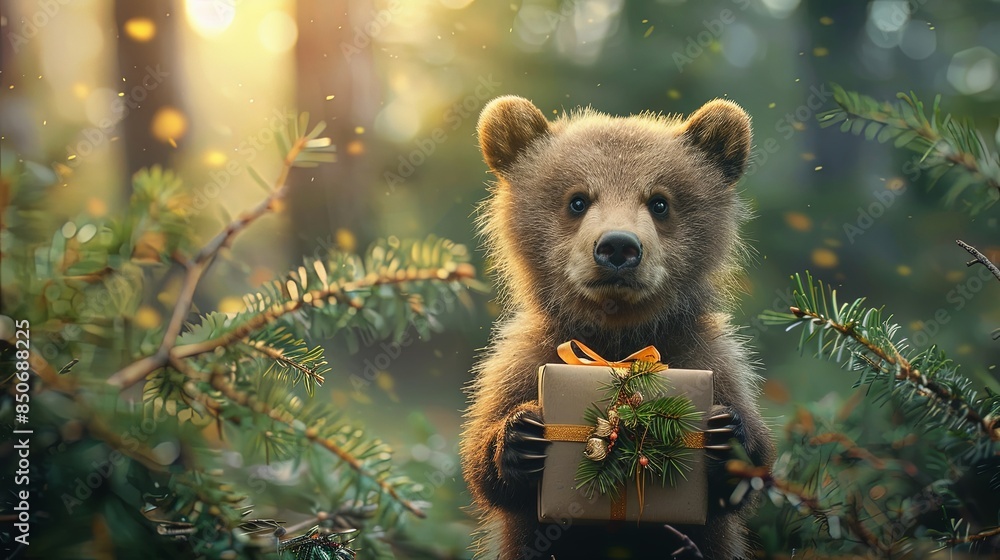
[
  {"x": 215, "y": 158},
  {"x": 824, "y": 258},
  {"x": 231, "y": 304},
  {"x": 147, "y": 318},
  {"x": 346, "y": 240},
  {"x": 168, "y": 125},
  {"x": 776, "y": 391},
  {"x": 140, "y": 29},
  {"x": 798, "y": 221}
]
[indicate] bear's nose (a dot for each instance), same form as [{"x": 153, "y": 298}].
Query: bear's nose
[{"x": 617, "y": 250}]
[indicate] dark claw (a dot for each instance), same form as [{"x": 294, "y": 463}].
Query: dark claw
[
  {"x": 531, "y": 421},
  {"x": 523, "y": 456},
  {"x": 727, "y": 417},
  {"x": 719, "y": 431},
  {"x": 530, "y": 456}
]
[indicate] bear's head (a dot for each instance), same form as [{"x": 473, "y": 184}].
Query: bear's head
[{"x": 610, "y": 221}]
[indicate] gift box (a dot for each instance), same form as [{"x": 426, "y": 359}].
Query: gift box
[{"x": 565, "y": 393}]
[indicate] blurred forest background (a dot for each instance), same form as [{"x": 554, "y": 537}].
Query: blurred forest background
[{"x": 94, "y": 90}]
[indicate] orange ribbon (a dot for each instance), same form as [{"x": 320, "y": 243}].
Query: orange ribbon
[{"x": 568, "y": 354}]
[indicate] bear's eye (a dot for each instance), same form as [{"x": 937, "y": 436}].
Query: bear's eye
[
  {"x": 658, "y": 206},
  {"x": 578, "y": 205}
]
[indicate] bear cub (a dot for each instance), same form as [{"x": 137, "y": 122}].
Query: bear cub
[{"x": 621, "y": 233}]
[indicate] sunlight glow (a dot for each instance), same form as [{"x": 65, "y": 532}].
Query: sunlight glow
[
  {"x": 277, "y": 32},
  {"x": 209, "y": 18}
]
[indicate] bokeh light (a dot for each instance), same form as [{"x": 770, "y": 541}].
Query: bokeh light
[
  {"x": 973, "y": 70},
  {"x": 209, "y": 18},
  {"x": 277, "y": 32},
  {"x": 140, "y": 29},
  {"x": 169, "y": 124}
]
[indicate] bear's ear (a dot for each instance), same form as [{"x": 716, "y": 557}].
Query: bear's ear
[
  {"x": 507, "y": 126},
  {"x": 721, "y": 130}
]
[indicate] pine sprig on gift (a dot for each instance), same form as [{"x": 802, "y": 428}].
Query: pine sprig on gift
[
  {"x": 646, "y": 439},
  {"x": 945, "y": 144}
]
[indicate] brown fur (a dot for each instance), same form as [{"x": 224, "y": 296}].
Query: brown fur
[{"x": 675, "y": 299}]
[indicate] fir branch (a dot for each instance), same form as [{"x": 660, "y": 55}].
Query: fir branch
[
  {"x": 973, "y": 538},
  {"x": 851, "y": 448},
  {"x": 335, "y": 293},
  {"x": 218, "y": 382},
  {"x": 904, "y": 370},
  {"x": 868, "y": 339},
  {"x": 805, "y": 502},
  {"x": 944, "y": 143},
  {"x": 291, "y": 356},
  {"x": 196, "y": 268}
]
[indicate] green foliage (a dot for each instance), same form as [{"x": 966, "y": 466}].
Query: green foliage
[
  {"x": 229, "y": 406},
  {"x": 940, "y": 452},
  {"x": 649, "y": 431},
  {"x": 943, "y": 142}
]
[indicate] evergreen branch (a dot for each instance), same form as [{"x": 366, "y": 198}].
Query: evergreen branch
[
  {"x": 979, "y": 258},
  {"x": 196, "y": 268},
  {"x": 975, "y": 537},
  {"x": 871, "y": 342},
  {"x": 904, "y": 370},
  {"x": 799, "y": 496},
  {"x": 335, "y": 293},
  {"x": 217, "y": 381},
  {"x": 943, "y": 142},
  {"x": 804, "y": 502},
  {"x": 309, "y": 364},
  {"x": 851, "y": 448}
]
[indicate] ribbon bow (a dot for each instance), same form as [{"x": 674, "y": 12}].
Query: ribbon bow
[{"x": 568, "y": 354}]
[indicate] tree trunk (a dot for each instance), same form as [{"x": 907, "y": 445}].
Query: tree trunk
[
  {"x": 151, "y": 83},
  {"x": 329, "y": 63}
]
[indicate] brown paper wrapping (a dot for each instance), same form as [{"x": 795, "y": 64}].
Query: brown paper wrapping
[{"x": 565, "y": 392}]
